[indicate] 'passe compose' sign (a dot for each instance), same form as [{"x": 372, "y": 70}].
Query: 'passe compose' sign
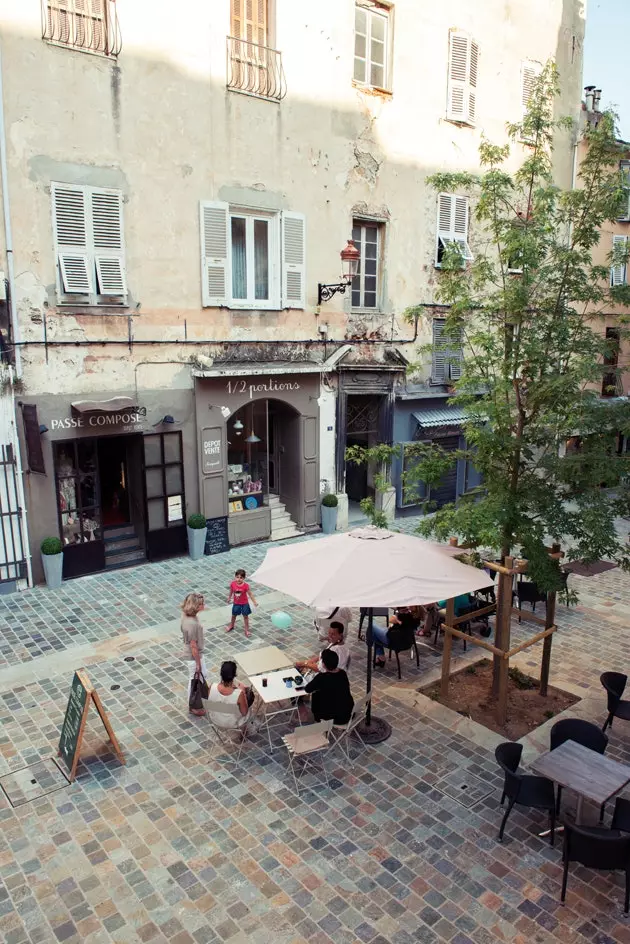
[{"x": 97, "y": 420}]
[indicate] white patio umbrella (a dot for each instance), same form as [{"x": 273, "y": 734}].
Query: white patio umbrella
[{"x": 369, "y": 567}]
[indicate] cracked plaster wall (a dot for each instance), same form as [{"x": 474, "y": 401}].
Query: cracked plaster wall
[{"x": 160, "y": 126}]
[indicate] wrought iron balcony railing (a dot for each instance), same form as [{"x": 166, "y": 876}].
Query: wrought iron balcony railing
[
  {"x": 90, "y": 25},
  {"x": 255, "y": 70}
]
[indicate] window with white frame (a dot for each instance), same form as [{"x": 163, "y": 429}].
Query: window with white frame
[
  {"x": 90, "y": 25},
  {"x": 618, "y": 269},
  {"x": 452, "y": 226},
  {"x": 530, "y": 72},
  {"x": 372, "y": 28},
  {"x": 252, "y": 258},
  {"x": 367, "y": 237},
  {"x": 89, "y": 244},
  {"x": 446, "y": 355},
  {"x": 463, "y": 63},
  {"x": 624, "y": 170}
]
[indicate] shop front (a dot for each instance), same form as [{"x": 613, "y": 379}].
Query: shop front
[
  {"x": 113, "y": 487},
  {"x": 258, "y": 435}
]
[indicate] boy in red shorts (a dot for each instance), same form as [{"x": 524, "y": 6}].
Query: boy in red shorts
[{"x": 240, "y": 596}]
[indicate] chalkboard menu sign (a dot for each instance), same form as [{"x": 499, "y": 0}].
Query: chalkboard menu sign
[
  {"x": 82, "y": 694},
  {"x": 33, "y": 438},
  {"x": 217, "y": 540},
  {"x": 74, "y": 722}
]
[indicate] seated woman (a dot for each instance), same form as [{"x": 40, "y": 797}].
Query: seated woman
[
  {"x": 232, "y": 693},
  {"x": 330, "y": 691},
  {"x": 401, "y": 633},
  {"x": 336, "y": 643}
]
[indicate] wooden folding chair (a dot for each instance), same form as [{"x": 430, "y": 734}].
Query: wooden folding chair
[{"x": 307, "y": 747}]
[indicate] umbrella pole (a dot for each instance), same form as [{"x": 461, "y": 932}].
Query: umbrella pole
[{"x": 372, "y": 730}]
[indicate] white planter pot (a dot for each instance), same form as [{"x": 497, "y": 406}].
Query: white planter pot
[
  {"x": 196, "y": 542},
  {"x": 329, "y": 519},
  {"x": 53, "y": 570}
]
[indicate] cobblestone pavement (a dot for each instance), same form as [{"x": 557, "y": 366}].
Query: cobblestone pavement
[{"x": 185, "y": 844}]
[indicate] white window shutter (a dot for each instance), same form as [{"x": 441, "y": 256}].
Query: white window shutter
[
  {"x": 618, "y": 268},
  {"x": 109, "y": 243},
  {"x": 446, "y": 204},
  {"x": 69, "y": 208},
  {"x": 438, "y": 366},
  {"x": 215, "y": 253},
  {"x": 529, "y": 73},
  {"x": 458, "y": 71},
  {"x": 473, "y": 65},
  {"x": 460, "y": 216},
  {"x": 293, "y": 260}
]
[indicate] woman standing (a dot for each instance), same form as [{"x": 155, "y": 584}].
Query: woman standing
[{"x": 192, "y": 635}]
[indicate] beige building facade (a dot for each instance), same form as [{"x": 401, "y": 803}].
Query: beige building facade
[{"x": 179, "y": 181}]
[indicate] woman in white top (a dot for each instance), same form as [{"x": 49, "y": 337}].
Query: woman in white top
[
  {"x": 233, "y": 694},
  {"x": 192, "y": 636}
]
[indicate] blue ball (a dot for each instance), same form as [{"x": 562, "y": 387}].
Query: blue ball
[{"x": 281, "y": 620}]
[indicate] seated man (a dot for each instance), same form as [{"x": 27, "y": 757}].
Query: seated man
[
  {"x": 331, "y": 691},
  {"x": 324, "y": 619},
  {"x": 336, "y": 644}
]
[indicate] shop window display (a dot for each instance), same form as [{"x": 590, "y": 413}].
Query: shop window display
[
  {"x": 76, "y": 474},
  {"x": 247, "y": 461}
]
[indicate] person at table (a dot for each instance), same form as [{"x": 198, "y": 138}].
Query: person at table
[
  {"x": 230, "y": 692},
  {"x": 323, "y": 619},
  {"x": 401, "y": 633},
  {"x": 330, "y": 691},
  {"x": 336, "y": 644},
  {"x": 460, "y": 603}
]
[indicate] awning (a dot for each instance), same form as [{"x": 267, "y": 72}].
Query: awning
[
  {"x": 447, "y": 416},
  {"x": 272, "y": 368},
  {"x": 115, "y": 405}
]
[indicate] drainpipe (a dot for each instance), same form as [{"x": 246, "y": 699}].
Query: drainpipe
[{"x": 8, "y": 234}]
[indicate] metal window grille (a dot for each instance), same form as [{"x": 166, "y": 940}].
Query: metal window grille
[
  {"x": 12, "y": 543},
  {"x": 90, "y": 25},
  {"x": 255, "y": 69}
]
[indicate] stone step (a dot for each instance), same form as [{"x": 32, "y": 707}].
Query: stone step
[
  {"x": 272, "y": 500},
  {"x": 278, "y": 512},
  {"x": 119, "y": 531},
  {"x": 121, "y": 544},
  {"x": 283, "y": 533},
  {"x": 124, "y": 558}
]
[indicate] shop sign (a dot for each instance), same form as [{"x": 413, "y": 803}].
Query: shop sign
[
  {"x": 212, "y": 453},
  {"x": 129, "y": 420},
  {"x": 270, "y": 385}
]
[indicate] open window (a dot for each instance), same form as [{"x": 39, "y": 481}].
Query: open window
[{"x": 452, "y": 226}]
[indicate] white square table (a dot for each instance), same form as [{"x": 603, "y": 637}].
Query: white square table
[
  {"x": 274, "y": 692},
  {"x": 591, "y": 775},
  {"x": 263, "y": 659}
]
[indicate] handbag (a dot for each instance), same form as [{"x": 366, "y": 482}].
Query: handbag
[{"x": 198, "y": 690}]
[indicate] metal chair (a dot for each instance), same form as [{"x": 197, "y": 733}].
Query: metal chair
[
  {"x": 621, "y": 815},
  {"x": 226, "y": 734},
  {"x": 528, "y": 592},
  {"x": 596, "y": 848},
  {"x": 377, "y": 611},
  {"x": 584, "y": 733},
  {"x": 342, "y": 732},
  {"x": 524, "y": 789},
  {"x": 615, "y": 684},
  {"x": 404, "y": 645},
  {"x": 307, "y": 746}
]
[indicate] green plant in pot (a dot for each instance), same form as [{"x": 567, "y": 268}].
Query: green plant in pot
[
  {"x": 329, "y": 513},
  {"x": 52, "y": 562},
  {"x": 196, "y": 530}
]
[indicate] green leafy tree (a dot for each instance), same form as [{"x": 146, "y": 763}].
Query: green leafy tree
[{"x": 528, "y": 314}]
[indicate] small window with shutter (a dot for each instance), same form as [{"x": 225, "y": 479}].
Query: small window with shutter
[
  {"x": 447, "y": 354},
  {"x": 618, "y": 269},
  {"x": 530, "y": 73},
  {"x": 463, "y": 66},
  {"x": 372, "y": 36},
  {"x": 89, "y": 25},
  {"x": 252, "y": 259},
  {"x": 452, "y": 226},
  {"x": 89, "y": 245}
]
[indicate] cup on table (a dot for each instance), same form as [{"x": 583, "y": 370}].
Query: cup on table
[{"x": 264, "y": 682}]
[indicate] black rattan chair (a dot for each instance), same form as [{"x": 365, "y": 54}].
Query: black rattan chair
[
  {"x": 596, "y": 848},
  {"x": 584, "y": 733},
  {"x": 615, "y": 684},
  {"x": 363, "y": 613},
  {"x": 524, "y": 789},
  {"x": 403, "y": 644},
  {"x": 621, "y": 815}
]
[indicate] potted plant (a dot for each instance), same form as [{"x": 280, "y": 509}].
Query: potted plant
[
  {"x": 52, "y": 561},
  {"x": 196, "y": 530},
  {"x": 329, "y": 513}
]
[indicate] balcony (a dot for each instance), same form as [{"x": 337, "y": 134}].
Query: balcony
[
  {"x": 255, "y": 70},
  {"x": 89, "y": 25}
]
